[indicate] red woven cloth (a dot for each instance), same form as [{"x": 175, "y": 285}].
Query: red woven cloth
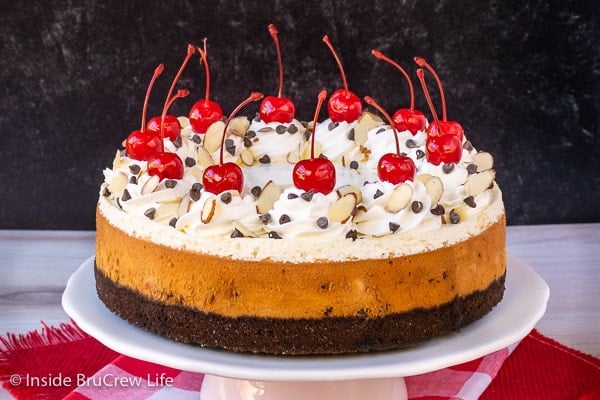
[{"x": 65, "y": 363}]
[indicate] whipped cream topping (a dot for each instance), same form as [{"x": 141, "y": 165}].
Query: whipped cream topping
[
  {"x": 380, "y": 141},
  {"x": 279, "y": 142},
  {"x": 336, "y": 141}
]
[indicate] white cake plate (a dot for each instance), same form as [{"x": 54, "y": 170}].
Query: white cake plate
[{"x": 378, "y": 375}]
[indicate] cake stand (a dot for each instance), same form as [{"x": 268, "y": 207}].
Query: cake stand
[{"x": 378, "y": 375}]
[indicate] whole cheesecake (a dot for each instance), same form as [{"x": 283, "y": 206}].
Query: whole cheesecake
[{"x": 273, "y": 267}]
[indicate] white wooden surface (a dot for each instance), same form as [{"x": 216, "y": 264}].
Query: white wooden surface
[{"x": 35, "y": 266}]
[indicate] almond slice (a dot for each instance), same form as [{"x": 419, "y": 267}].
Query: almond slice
[
  {"x": 238, "y": 126},
  {"x": 118, "y": 161},
  {"x": 117, "y": 183},
  {"x": 208, "y": 210},
  {"x": 484, "y": 161},
  {"x": 184, "y": 205},
  {"x": 343, "y": 190},
  {"x": 342, "y": 209},
  {"x": 423, "y": 178},
  {"x": 247, "y": 157},
  {"x": 479, "y": 182},
  {"x": 243, "y": 230},
  {"x": 203, "y": 158},
  {"x": 293, "y": 157},
  {"x": 366, "y": 122},
  {"x": 184, "y": 121},
  {"x": 268, "y": 196},
  {"x": 399, "y": 198},
  {"x": 150, "y": 185},
  {"x": 213, "y": 136},
  {"x": 434, "y": 187},
  {"x": 306, "y": 151}
]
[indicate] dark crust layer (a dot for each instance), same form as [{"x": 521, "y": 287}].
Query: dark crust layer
[{"x": 328, "y": 335}]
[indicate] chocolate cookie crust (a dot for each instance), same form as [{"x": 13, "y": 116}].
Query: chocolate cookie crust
[{"x": 327, "y": 335}]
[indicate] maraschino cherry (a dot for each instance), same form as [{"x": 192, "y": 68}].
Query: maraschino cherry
[
  {"x": 444, "y": 144},
  {"x": 169, "y": 125},
  {"x": 277, "y": 109},
  {"x": 405, "y": 119},
  {"x": 443, "y": 127},
  {"x": 393, "y": 167},
  {"x": 343, "y": 105},
  {"x": 140, "y": 145},
  {"x": 316, "y": 174},
  {"x": 220, "y": 177},
  {"x": 206, "y": 111}
]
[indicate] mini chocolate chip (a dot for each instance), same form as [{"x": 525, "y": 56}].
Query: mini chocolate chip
[
  {"x": 106, "y": 192},
  {"x": 226, "y": 197},
  {"x": 292, "y": 129},
  {"x": 447, "y": 168},
  {"x": 411, "y": 144},
  {"x": 280, "y": 129},
  {"x": 230, "y": 150},
  {"x": 394, "y": 227},
  {"x": 454, "y": 217},
  {"x": 352, "y": 234},
  {"x": 380, "y": 130},
  {"x": 351, "y": 134},
  {"x": 377, "y": 194},
  {"x": 178, "y": 142},
  {"x": 438, "y": 210},
  {"x": 236, "y": 234},
  {"x": 284, "y": 219},
  {"x": 354, "y": 164},
  {"x": 195, "y": 191},
  {"x": 470, "y": 201},
  {"x": 196, "y": 139},
  {"x": 118, "y": 203},
  {"x": 250, "y": 134},
  {"x": 190, "y": 162},
  {"x": 247, "y": 142},
  {"x": 308, "y": 195},
  {"x": 265, "y": 159},
  {"x": 468, "y": 146},
  {"x": 332, "y": 125},
  {"x": 150, "y": 213},
  {"x": 420, "y": 154},
  {"x": 256, "y": 190},
  {"x": 403, "y": 154},
  {"x": 135, "y": 169},
  {"x": 471, "y": 169},
  {"x": 322, "y": 222},
  {"x": 416, "y": 206},
  {"x": 173, "y": 222},
  {"x": 274, "y": 235},
  {"x": 291, "y": 196},
  {"x": 126, "y": 195},
  {"x": 133, "y": 180},
  {"x": 307, "y": 134},
  {"x": 265, "y": 218},
  {"x": 170, "y": 183}
]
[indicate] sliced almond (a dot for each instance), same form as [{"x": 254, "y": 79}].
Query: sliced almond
[
  {"x": 243, "y": 230},
  {"x": 184, "y": 205},
  {"x": 213, "y": 136},
  {"x": 150, "y": 185},
  {"x": 247, "y": 157},
  {"x": 434, "y": 187},
  {"x": 238, "y": 126},
  {"x": 399, "y": 198},
  {"x": 268, "y": 196},
  {"x": 479, "y": 182},
  {"x": 184, "y": 121},
  {"x": 366, "y": 122},
  {"x": 484, "y": 161},
  {"x": 117, "y": 183},
  {"x": 118, "y": 161},
  {"x": 293, "y": 157},
  {"x": 342, "y": 209},
  {"x": 203, "y": 158},
  {"x": 306, "y": 151},
  {"x": 343, "y": 190},
  {"x": 423, "y": 178},
  {"x": 208, "y": 210}
]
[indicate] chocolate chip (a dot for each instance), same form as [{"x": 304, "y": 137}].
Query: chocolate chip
[
  {"x": 354, "y": 164},
  {"x": 394, "y": 227},
  {"x": 307, "y": 134},
  {"x": 265, "y": 218},
  {"x": 420, "y": 154},
  {"x": 133, "y": 180},
  {"x": 308, "y": 195},
  {"x": 196, "y": 139},
  {"x": 173, "y": 222},
  {"x": 454, "y": 217},
  {"x": 280, "y": 129},
  {"x": 284, "y": 219},
  {"x": 247, "y": 142},
  {"x": 380, "y": 130},
  {"x": 332, "y": 125},
  {"x": 230, "y": 146},
  {"x": 438, "y": 210},
  {"x": 265, "y": 159},
  {"x": 351, "y": 134},
  {"x": 274, "y": 235},
  {"x": 256, "y": 190},
  {"x": 126, "y": 195},
  {"x": 377, "y": 194},
  {"x": 170, "y": 183},
  {"x": 106, "y": 192},
  {"x": 416, "y": 206},
  {"x": 226, "y": 197},
  {"x": 322, "y": 222},
  {"x": 178, "y": 142},
  {"x": 135, "y": 169},
  {"x": 470, "y": 201},
  {"x": 468, "y": 145},
  {"x": 236, "y": 234},
  {"x": 471, "y": 169},
  {"x": 411, "y": 144},
  {"x": 196, "y": 191},
  {"x": 150, "y": 213},
  {"x": 292, "y": 129},
  {"x": 352, "y": 234},
  {"x": 291, "y": 196},
  {"x": 189, "y": 162},
  {"x": 250, "y": 134},
  {"x": 447, "y": 168}
]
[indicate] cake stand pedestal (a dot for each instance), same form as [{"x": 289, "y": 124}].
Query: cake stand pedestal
[{"x": 377, "y": 375}]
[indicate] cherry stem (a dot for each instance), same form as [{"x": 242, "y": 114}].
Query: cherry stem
[
  {"x": 421, "y": 62},
  {"x": 180, "y": 93},
  {"x": 273, "y": 32},
  {"x": 339, "y": 62},
  {"x": 204, "y": 60},
  {"x": 159, "y": 69},
  {"x": 320, "y": 99},
  {"x": 254, "y": 96},
  {"x": 190, "y": 51},
  {"x": 421, "y": 76},
  {"x": 371, "y": 101},
  {"x": 385, "y": 58}
]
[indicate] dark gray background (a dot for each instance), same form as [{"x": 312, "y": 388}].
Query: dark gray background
[{"x": 521, "y": 77}]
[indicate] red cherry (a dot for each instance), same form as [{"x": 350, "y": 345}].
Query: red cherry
[
  {"x": 171, "y": 126},
  {"x": 343, "y": 105},
  {"x": 277, "y": 109},
  {"x": 316, "y": 174},
  {"x": 445, "y": 148},
  {"x": 141, "y": 145},
  {"x": 393, "y": 167},
  {"x": 405, "y": 119},
  {"x": 205, "y": 112},
  {"x": 165, "y": 165},
  {"x": 441, "y": 128},
  {"x": 220, "y": 177}
]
